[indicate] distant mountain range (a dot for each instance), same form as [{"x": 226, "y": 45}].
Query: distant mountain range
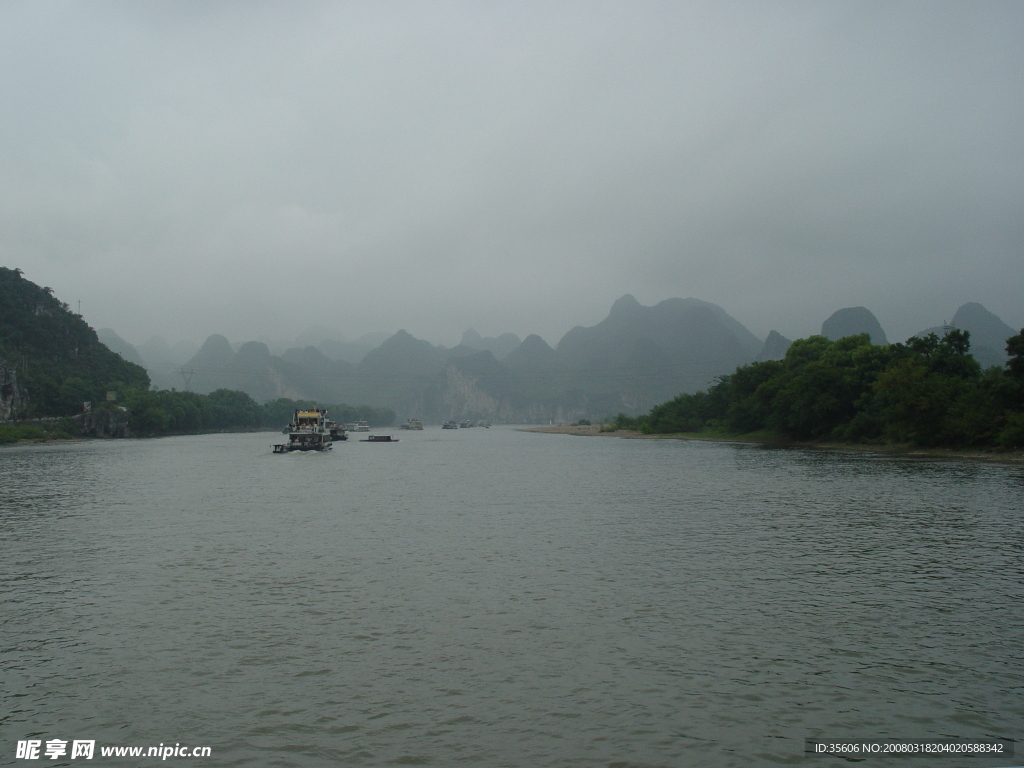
[{"x": 635, "y": 358}]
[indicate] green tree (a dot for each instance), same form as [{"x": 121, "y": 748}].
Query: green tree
[{"x": 927, "y": 391}]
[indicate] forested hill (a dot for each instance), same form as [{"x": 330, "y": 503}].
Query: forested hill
[{"x": 51, "y": 356}]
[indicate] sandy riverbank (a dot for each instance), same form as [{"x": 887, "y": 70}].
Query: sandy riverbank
[
  {"x": 594, "y": 430},
  {"x": 587, "y": 430}
]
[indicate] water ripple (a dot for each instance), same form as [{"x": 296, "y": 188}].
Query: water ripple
[{"x": 497, "y": 598}]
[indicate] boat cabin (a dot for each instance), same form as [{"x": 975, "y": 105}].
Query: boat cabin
[{"x": 309, "y": 430}]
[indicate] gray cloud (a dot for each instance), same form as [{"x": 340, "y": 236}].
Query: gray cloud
[{"x": 253, "y": 169}]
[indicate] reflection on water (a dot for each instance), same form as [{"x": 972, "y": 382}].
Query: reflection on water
[{"x": 491, "y": 597}]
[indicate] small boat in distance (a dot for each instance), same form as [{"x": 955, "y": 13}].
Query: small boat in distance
[
  {"x": 308, "y": 431},
  {"x": 449, "y": 425},
  {"x": 358, "y": 426},
  {"x": 379, "y": 439},
  {"x": 413, "y": 424}
]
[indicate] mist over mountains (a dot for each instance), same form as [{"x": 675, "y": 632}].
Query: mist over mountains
[{"x": 635, "y": 358}]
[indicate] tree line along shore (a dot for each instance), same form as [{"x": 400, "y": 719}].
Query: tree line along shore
[
  {"x": 137, "y": 412},
  {"x": 928, "y": 392}
]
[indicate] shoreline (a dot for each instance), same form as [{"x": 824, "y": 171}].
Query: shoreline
[
  {"x": 594, "y": 430},
  {"x": 83, "y": 438}
]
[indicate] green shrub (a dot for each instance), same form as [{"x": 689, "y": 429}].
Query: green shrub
[{"x": 13, "y": 433}]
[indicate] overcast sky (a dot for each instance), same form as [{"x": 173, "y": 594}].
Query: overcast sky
[{"x": 254, "y": 168}]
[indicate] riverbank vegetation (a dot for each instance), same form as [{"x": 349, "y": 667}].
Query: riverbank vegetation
[
  {"x": 151, "y": 413},
  {"x": 163, "y": 412},
  {"x": 157, "y": 412},
  {"x": 927, "y": 392},
  {"x": 17, "y": 433}
]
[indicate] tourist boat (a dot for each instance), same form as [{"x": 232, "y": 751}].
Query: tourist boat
[
  {"x": 358, "y": 426},
  {"x": 337, "y": 431},
  {"x": 307, "y": 432},
  {"x": 413, "y": 424},
  {"x": 379, "y": 439},
  {"x": 449, "y": 425}
]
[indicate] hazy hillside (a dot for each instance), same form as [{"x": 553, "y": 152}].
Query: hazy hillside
[
  {"x": 853, "y": 321},
  {"x": 774, "y": 348},
  {"x": 537, "y": 370},
  {"x": 322, "y": 379},
  {"x": 988, "y": 333},
  {"x": 252, "y": 369},
  {"x": 164, "y": 362},
  {"x": 636, "y": 357},
  {"x": 499, "y": 346},
  {"x": 642, "y": 355},
  {"x": 633, "y": 359},
  {"x": 213, "y": 366},
  {"x": 396, "y": 373},
  {"x": 115, "y": 343}
]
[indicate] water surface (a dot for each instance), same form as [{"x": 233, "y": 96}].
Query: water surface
[{"x": 499, "y": 598}]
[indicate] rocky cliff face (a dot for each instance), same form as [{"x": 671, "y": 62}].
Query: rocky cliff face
[
  {"x": 463, "y": 397},
  {"x": 112, "y": 423},
  {"x": 11, "y": 397},
  {"x": 482, "y": 388}
]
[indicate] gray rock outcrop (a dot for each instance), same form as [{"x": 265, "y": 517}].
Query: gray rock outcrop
[{"x": 11, "y": 398}]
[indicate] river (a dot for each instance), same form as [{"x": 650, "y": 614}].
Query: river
[{"x": 491, "y": 597}]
